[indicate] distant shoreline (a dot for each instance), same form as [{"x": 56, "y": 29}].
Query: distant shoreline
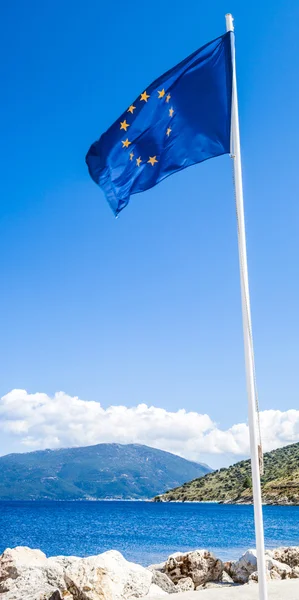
[
  {"x": 139, "y": 500},
  {"x": 77, "y": 500},
  {"x": 149, "y": 500}
]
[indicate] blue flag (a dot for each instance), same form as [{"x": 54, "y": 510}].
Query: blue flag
[{"x": 181, "y": 119}]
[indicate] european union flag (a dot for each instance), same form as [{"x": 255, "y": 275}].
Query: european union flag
[{"x": 182, "y": 118}]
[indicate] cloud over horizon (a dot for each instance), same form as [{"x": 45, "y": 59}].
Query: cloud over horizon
[{"x": 38, "y": 421}]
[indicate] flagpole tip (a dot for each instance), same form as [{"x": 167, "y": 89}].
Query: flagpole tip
[{"x": 229, "y": 22}]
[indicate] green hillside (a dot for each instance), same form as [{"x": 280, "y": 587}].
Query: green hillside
[
  {"x": 94, "y": 472},
  {"x": 280, "y": 483}
]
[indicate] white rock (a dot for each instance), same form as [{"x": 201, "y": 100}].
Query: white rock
[
  {"x": 30, "y": 575},
  {"x": 155, "y": 591},
  {"x": 14, "y": 560},
  {"x": 63, "y": 561},
  {"x": 109, "y": 576},
  {"x": 25, "y": 573},
  {"x": 226, "y": 578},
  {"x": 281, "y": 569}
]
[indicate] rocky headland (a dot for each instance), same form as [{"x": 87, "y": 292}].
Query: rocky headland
[
  {"x": 280, "y": 482},
  {"x": 27, "y": 574}
]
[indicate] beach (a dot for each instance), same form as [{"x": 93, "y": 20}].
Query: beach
[{"x": 278, "y": 590}]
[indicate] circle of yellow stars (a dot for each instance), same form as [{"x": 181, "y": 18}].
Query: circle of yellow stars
[{"x": 124, "y": 125}]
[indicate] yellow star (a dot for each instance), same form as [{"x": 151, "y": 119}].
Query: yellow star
[
  {"x": 131, "y": 108},
  {"x": 124, "y": 125},
  {"x": 168, "y": 131},
  {"x": 161, "y": 93},
  {"x": 144, "y": 96},
  {"x": 131, "y": 155},
  {"x": 152, "y": 160},
  {"x": 126, "y": 143},
  {"x": 168, "y": 97},
  {"x": 138, "y": 161},
  {"x": 171, "y": 111}
]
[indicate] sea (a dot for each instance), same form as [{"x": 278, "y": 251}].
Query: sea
[{"x": 144, "y": 532}]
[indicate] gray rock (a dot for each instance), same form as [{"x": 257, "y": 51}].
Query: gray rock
[
  {"x": 245, "y": 569},
  {"x": 241, "y": 569},
  {"x": 164, "y": 582}
]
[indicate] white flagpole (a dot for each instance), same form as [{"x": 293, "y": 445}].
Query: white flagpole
[{"x": 247, "y": 331}]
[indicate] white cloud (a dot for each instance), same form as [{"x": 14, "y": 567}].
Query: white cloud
[{"x": 38, "y": 421}]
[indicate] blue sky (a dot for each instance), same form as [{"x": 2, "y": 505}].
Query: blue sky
[{"x": 145, "y": 308}]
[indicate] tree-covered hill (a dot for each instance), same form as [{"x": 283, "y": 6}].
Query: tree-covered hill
[{"x": 280, "y": 482}]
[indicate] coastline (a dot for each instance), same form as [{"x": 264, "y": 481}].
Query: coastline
[{"x": 29, "y": 573}]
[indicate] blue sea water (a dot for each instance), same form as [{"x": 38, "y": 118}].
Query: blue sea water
[{"x": 143, "y": 532}]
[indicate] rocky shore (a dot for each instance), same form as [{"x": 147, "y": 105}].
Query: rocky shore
[{"x": 27, "y": 574}]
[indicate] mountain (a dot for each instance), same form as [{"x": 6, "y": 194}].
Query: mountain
[
  {"x": 280, "y": 482},
  {"x": 94, "y": 472}
]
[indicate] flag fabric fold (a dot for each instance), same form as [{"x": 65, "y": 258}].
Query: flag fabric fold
[{"x": 182, "y": 118}]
